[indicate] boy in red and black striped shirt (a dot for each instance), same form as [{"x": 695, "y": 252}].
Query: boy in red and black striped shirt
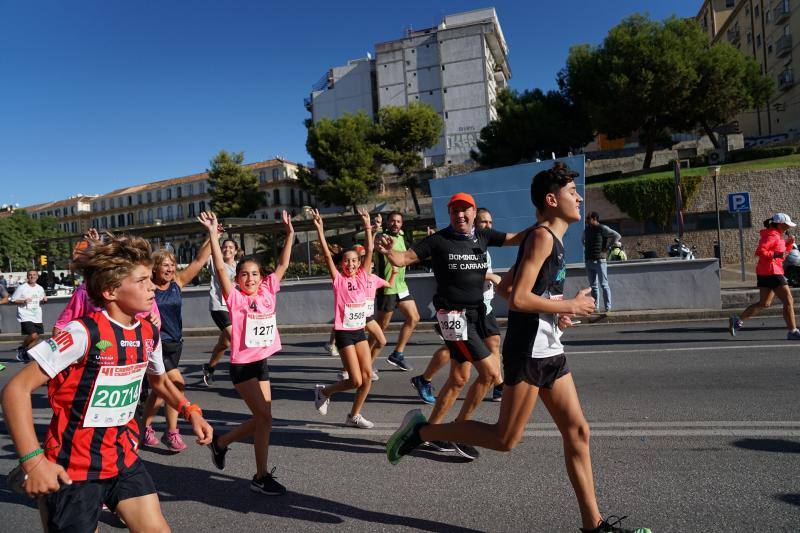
[{"x": 94, "y": 370}]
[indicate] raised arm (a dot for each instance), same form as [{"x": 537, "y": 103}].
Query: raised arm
[
  {"x": 187, "y": 274},
  {"x": 396, "y": 258},
  {"x": 326, "y": 253},
  {"x": 369, "y": 243},
  {"x": 209, "y": 221},
  {"x": 286, "y": 254}
]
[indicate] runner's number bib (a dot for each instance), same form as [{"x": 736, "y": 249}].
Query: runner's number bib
[
  {"x": 260, "y": 330},
  {"x": 371, "y": 307},
  {"x": 453, "y": 324},
  {"x": 403, "y": 294},
  {"x": 115, "y": 395},
  {"x": 32, "y": 305},
  {"x": 355, "y": 316}
]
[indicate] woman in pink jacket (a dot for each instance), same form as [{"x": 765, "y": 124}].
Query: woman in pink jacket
[{"x": 771, "y": 251}]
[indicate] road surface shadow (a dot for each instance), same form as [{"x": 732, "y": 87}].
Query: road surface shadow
[
  {"x": 768, "y": 445},
  {"x": 792, "y": 499},
  {"x": 216, "y": 489},
  {"x": 658, "y": 331}
]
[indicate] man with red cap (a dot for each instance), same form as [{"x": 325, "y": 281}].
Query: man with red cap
[{"x": 458, "y": 256}]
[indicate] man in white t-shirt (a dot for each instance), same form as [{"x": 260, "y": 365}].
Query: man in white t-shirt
[{"x": 28, "y": 298}]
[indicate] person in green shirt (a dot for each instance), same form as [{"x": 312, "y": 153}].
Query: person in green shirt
[{"x": 396, "y": 296}]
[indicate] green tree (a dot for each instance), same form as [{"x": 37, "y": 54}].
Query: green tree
[
  {"x": 345, "y": 151},
  {"x": 22, "y": 239},
  {"x": 233, "y": 189},
  {"x": 532, "y": 124},
  {"x": 402, "y": 134}
]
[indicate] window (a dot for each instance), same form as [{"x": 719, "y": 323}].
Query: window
[
  {"x": 158, "y": 195},
  {"x": 768, "y": 15},
  {"x": 94, "y": 206},
  {"x": 169, "y": 194},
  {"x": 277, "y": 215},
  {"x": 756, "y": 11},
  {"x": 103, "y": 223},
  {"x": 749, "y": 37},
  {"x": 262, "y": 177},
  {"x": 758, "y": 40},
  {"x": 139, "y": 198},
  {"x": 169, "y": 212},
  {"x": 292, "y": 197},
  {"x": 730, "y": 3},
  {"x": 277, "y": 197},
  {"x": 276, "y": 173},
  {"x": 160, "y": 213},
  {"x": 202, "y": 206},
  {"x": 191, "y": 189},
  {"x": 179, "y": 211},
  {"x": 141, "y": 217},
  {"x": 130, "y": 200},
  {"x": 121, "y": 219},
  {"x": 178, "y": 191},
  {"x": 191, "y": 209},
  {"x": 113, "y": 221},
  {"x": 201, "y": 188},
  {"x": 130, "y": 219},
  {"x": 149, "y": 197},
  {"x": 149, "y": 216},
  {"x": 103, "y": 205}
]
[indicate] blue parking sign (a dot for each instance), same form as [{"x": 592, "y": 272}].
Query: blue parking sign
[{"x": 738, "y": 202}]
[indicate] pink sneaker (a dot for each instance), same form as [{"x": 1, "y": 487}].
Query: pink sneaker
[
  {"x": 150, "y": 436},
  {"x": 173, "y": 441}
]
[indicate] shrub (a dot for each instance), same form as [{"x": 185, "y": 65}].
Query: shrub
[
  {"x": 650, "y": 198},
  {"x": 749, "y": 154}
]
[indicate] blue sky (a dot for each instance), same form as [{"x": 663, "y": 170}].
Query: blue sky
[{"x": 97, "y": 94}]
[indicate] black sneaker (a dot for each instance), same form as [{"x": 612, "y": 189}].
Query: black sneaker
[
  {"x": 439, "y": 446},
  {"x": 497, "y": 393},
  {"x": 466, "y": 451},
  {"x": 22, "y": 355},
  {"x": 611, "y": 525},
  {"x": 267, "y": 485},
  {"x": 217, "y": 453},
  {"x": 397, "y": 359},
  {"x": 208, "y": 374}
]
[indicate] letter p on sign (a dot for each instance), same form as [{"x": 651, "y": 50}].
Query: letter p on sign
[{"x": 739, "y": 202}]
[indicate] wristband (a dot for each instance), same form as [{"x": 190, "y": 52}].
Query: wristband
[
  {"x": 182, "y": 405},
  {"x": 34, "y": 453},
  {"x": 193, "y": 408}
]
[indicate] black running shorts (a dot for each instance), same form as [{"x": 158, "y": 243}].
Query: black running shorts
[
  {"x": 540, "y": 372},
  {"x": 221, "y": 318},
  {"x": 344, "y": 338},
  {"x": 28, "y": 328},
  {"x": 77, "y": 507},
  {"x": 473, "y": 349},
  {"x": 492, "y": 328},
  {"x": 386, "y": 303},
  {"x": 771, "y": 282},
  {"x": 242, "y": 372},
  {"x": 172, "y": 354}
]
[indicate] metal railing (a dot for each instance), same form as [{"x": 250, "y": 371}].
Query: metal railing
[{"x": 783, "y": 46}]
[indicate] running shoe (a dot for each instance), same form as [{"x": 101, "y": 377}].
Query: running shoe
[
  {"x": 406, "y": 438},
  {"x": 22, "y": 355},
  {"x": 438, "y": 446},
  {"x": 612, "y": 525},
  {"x": 173, "y": 441},
  {"x": 2, "y": 367},
  {"x": 332, "y": 350},
  {"x": 466, "y": 451},
  {"x": 375, "y": 376},
  {"x": 217, "y": 453},
  {"x": 793, "y": 335},
  {"x": 734, "y": 325},
  {"x": 424, "y": 389},
  {"x": 343, "y": 375},
  {"x": 267, "y": 485},
  {"x": 358, "y": 421},
  {"x": 320, "y": 400},
  {"x": 397, "y": 359},
  {"x": 497, "y": 393},
  {"x": 150, "y": 436},
  {"x": 208, "y": 374}
]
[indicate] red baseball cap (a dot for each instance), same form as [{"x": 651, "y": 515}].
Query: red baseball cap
[{"x": 462, "y": 197}]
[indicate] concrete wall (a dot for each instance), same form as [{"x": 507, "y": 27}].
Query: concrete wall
[
  {"x": 658, "y": 284},
  {"x": 351, "y": 92},
  {"x": 771, "y": 191}
]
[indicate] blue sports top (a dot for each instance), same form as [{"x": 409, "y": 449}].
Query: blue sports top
[{"x": 169, "y": 303}]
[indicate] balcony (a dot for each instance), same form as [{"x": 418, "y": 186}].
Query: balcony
[
  {"x": 785, "y": 80},
  {"x": 781, "y": 11},
  {"x": 734, "y": 35},
  {"x": 783, "y": 46}
]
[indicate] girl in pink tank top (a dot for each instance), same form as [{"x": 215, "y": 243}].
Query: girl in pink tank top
[{"x": 350, "y": 286}]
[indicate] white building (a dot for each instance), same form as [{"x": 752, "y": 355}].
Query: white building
[{"x": 456, "y": 67}]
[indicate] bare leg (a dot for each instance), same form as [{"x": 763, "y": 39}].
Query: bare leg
[
  {"x": 785, "y": 296},
  {"x": 31, "y": 339},
  {"x": 493, "y": 343},
  {"x": 258, "y": 397},
  {"x": 383, "y": 320},
  {"x": 143, "y": 513},
  {"x": 458, "y": 377},
  {"x": 365, "y": 366},
  {"x": 350, "y": 362},
  {"x": 515, "y": 410},
  {"x": 488, "y": 374},
  {"x": 223, "y": 343},
  {"x": 765, "y": 300},
  {"x": 169, "y": 413},
  {"x": 437, "y": 362},
  {"x": 376, "y": 338},
  {"x": 409, "y": 310},
  {"x": 563, "y": 405}
]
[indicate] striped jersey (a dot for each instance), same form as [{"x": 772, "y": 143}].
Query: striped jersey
[{"x": 96, "y": 367}]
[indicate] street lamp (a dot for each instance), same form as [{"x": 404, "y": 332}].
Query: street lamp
[
  {"x": 307, "y": 216},
  {"x": 714, "y": 173}
]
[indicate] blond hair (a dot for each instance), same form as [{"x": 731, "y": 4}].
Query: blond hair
[{"x": 105, "y": 265}]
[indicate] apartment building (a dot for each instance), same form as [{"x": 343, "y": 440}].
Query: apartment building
[
  {"x": 763, "y": 30},
  {"x": 73, "y": 214},
  {"x": 456, "y": 67}
]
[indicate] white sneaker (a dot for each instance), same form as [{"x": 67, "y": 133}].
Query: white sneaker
[
  {"x": 375, "y": 376},
  {"x": 343, "y": 375},
  {"x": 320, "y": 400},
  {"x": 358, "y": 421},
  {"x": 331, "y": 349}
]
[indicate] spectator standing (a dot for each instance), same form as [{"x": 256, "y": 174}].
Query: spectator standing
[{"x": 596, "y": 240}]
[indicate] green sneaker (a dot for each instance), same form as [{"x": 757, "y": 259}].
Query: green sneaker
[
  {"x": 611, "y": 525},
  {"x": 400, "y": 443},
  {"x": 2, "y": 367}
]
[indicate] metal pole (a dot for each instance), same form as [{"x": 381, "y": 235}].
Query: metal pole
[
  {"x": 741, "y": 243},
  {"x": 308, "y": 253},
  {"x": 678, "y": 198},
  {"x": 719, "y": 233}
]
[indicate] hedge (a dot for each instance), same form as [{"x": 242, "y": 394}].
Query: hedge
[{"x": 650, "y": 198}]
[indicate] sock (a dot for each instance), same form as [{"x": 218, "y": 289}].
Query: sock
[{"x": 397, "y": 354}]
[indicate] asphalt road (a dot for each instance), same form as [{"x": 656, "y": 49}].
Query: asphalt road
[{"x": 692, "y": 430}]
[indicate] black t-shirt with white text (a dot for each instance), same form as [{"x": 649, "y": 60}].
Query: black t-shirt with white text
[{"x": 459, "y": 264}]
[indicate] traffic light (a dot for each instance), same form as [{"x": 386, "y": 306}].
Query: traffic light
[{"x": 43, "y": 260}]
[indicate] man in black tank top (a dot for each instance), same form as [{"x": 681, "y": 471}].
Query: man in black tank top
[
  {"x": 533, "y": 358},
  {"x": 458, "y": 257}
]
